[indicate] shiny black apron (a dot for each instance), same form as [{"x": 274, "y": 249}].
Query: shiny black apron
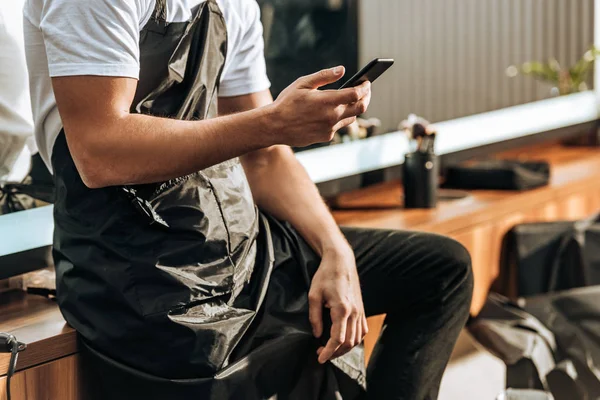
[{"x": 171, "y": 279}]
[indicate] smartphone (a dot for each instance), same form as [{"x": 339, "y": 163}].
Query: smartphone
[{"x": 372, "y": 71}]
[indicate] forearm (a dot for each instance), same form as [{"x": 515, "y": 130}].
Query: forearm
[
  {"x": 296, "y": 198},
  {"x": 136, "y": 149},
  {"x": 110, "y": 146}
]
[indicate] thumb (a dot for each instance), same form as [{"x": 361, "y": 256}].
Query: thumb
[{"x": 322, "y": 78}]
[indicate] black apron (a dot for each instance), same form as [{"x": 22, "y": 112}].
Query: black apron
[{"x": 173, "y": 282}]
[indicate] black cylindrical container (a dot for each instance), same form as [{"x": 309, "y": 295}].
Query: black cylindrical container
[{"x": 420, "y": 174}]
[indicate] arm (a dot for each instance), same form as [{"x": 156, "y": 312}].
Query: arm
[
  {"x": 94, "y": 79},
  {"x": 297, "y": 201},
  {"x": 111, "y": 146}
]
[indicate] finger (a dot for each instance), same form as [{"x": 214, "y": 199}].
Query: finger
[
  {"x": 360, "y": 334},
  {"x": 365, "y": 326},
  {"x": 352, "y": 333},
  {"x": 321, "y": 78},
  {"x": 330, "y": 349},
  {"x": 315, "y": 313},
  {"x": 367, "y": 98},
  {"x": 343, "y": 123},
  {"x": 349, "y": 95},
  {"x": 356, "y": 109},
  {"x": 339, "y": 318}
]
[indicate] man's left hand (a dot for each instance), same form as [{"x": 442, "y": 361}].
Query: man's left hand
[{"x": 336, "y": 287}]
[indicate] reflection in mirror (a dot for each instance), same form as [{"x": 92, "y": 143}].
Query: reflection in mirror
[
  {"x": 454, "y": 58},
  {"x": 303, "y": 36}
]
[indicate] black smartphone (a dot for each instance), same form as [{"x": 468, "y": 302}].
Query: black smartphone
[{"x": 370, "y": 72}]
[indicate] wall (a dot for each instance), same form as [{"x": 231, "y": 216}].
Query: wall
[{"x": 452, "y": 54}]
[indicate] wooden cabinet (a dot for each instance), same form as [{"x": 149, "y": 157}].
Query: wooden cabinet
[
  {"x": 481, "y": 245},
  {"x": 56, "y": 380}
]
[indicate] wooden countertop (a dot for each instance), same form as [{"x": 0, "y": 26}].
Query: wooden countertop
[
  {"x": 380, "y": 206},
  {"x": 37, "y": 321}
]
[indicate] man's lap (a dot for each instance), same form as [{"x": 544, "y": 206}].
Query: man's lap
[
  {"x": 422, "y": 281},
  {"x": 406, "y": 270},
  {"x": 397, "y": 269}
]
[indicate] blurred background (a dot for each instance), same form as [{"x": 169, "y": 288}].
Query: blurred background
[{"x": 453, "y": 57}]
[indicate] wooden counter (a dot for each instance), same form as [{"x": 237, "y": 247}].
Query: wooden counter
[
  {"x": 47, "y": 369},
  {"x": 49, "y": 366},
  {"x": 480, "y": 221},
  {"x": 36, "y": 321}
]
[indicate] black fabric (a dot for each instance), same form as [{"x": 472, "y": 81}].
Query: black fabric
[
  {"x": 574, "y": 318},
  {"x": 422, "y": 281},
  {"x": 550, "y": 341},
  {"x": 550, "y": 256},
  {"x": 117, "y": 274},
  {"x": 498, "y": 175},
  {"x": 525, "y": 345},
  {"x": 39, "y": 173},
  {"x": 163, "y": 257}
]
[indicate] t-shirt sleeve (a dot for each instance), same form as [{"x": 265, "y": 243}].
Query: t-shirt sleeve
[
  {"x": 91, "y": 37},
  {"x": 245, "y": 71}
]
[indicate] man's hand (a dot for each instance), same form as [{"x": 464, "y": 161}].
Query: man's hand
[
  {"x": 303, "y": 115},
  {"x": 335, "y": 286}
]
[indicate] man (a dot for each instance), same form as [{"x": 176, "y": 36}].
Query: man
[{"x": 164, "y": 263}]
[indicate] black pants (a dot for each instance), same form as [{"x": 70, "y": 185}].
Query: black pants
[{"x": 423, "y": 282}]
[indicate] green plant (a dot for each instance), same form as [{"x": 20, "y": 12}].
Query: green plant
[{"x": 566, "y": 80}]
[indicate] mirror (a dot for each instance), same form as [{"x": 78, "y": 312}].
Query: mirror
[{"x": 454, "y": 58}]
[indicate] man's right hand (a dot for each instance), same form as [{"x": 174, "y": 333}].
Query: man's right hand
[
  {"x": 127, "y": 151},
  {"x": 303, "y": 115}
]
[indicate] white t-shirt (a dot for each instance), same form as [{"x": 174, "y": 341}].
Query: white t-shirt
[{"x": 101, "y": 37}]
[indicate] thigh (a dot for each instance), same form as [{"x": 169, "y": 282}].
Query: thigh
[{"x": 401, "y": 269}]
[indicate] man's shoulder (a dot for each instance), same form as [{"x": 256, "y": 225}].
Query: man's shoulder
[
  {"x": 238, "y": 6},
  {"x": 35, "y": 10},
  {"x": 242, "y": 12}
]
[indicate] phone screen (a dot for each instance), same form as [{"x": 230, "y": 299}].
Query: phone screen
[{"x": 370, "y": 72}]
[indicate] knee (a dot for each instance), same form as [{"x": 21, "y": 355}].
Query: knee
[{"x": 457, "y": 268}]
